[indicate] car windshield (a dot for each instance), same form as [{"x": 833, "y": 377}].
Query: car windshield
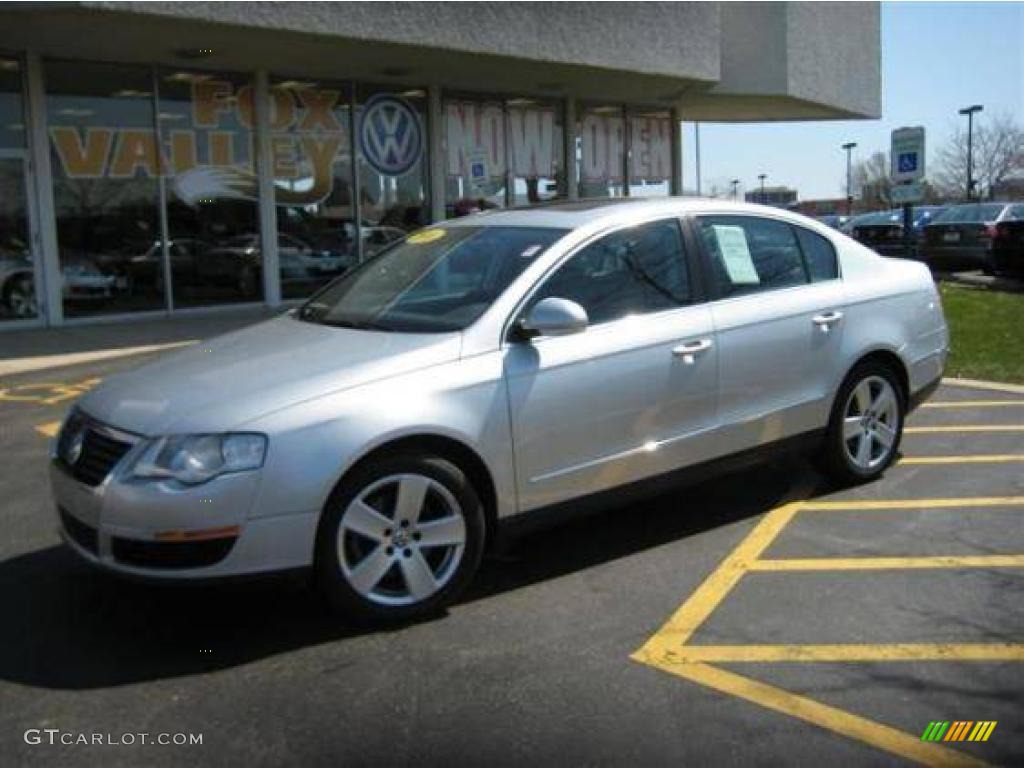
[
  {"x": 436, "y": 280},
  {"x": 971, "y": 213}
]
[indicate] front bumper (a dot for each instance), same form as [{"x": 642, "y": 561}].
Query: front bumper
[{"x": 168, "y": 531}]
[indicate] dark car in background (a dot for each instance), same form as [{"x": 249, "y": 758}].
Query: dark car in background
[
  {"x": 1008, "y": 248},
  {"x": 962, "y": 236},
  {"x": 883, "y": 231}
]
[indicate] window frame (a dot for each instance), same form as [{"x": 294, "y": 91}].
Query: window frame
[
  {"x": 714, "y": 292},
  {"x": 698, "y": 288}
]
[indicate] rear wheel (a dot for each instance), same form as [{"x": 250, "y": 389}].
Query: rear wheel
[
  {"x": 20, "y": 297},
  {"x": 866, "y": 425},
  {"x": 402, "y": 537}
]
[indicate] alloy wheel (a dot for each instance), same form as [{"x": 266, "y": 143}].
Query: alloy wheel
[
  {"x": 401, "y": 539},
  {"x": 871, "y": 423},
  {"x": 21, "y": 298}
]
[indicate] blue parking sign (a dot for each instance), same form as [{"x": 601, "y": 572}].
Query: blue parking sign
[{"x": 907, "y": 162}]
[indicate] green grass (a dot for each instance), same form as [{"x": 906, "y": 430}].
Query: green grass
[{"x": 986, "y": 333}]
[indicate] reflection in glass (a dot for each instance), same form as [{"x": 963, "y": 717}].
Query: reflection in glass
[
  {"x": 206, "y": 132},
  {"x": 312, "y": 169},
  {"x": 537, "y": 150},
  {"x": 392, "y": 141},
  {"x": 650, "y": 153},
  {"x": 476, "y": 173},
  {"x": 17, "y": 283},
  {"x": 600, "y": 152},
  {"x": 105, "y": 168}
]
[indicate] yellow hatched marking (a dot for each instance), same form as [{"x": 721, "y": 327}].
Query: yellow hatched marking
[
  {"x": 49, "y": 429},
  {"x": 853, "y": 726},
  {"x": 722, "y": 654},
  {"x": 975, "y": 459},
  {"x": 964, "y": 428},
  {"x": 974, "y": 404},
  {"x": 888, "y": 563}
]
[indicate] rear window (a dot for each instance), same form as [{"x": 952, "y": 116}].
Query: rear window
[
  {"x": 973, "y": 213},
  {"x": 819, "y": 255}
]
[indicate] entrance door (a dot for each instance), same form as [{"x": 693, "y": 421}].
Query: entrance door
[{"x": 20, "y": 277}]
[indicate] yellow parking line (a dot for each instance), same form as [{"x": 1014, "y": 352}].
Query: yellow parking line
[
  {"x": 836, "y": 720},
  {"x": 976, "y": 459},
  {"x": 945, "y": 503},
  {"x": 973, "y": 403},
  {"x": 694, "y": 654},
  {"x": 964, "y": 428},
  {"x": 887, "y": 563},
  {"x": 49, "y": 429}
]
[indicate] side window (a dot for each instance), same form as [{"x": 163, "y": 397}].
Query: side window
[
  {"x": 750, "y": 254},
  {"x": 634, "y": 271},
  {"x": 1017, "y": 213},
  {"x": 819, "y": 254}
]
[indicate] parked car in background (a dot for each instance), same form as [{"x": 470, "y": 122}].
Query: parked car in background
[
  {"x": 847, "y": 226},
  {"x": 489, "y": 370},
  {"x": 17, "y": 285},
  {"x": 1008, "y": 248},
  {"x": 961, "y": 237},
  {"x": 834, "y": 220},
  {"x": 883, "y": 231},
  {"x": 83, "y": 281}
]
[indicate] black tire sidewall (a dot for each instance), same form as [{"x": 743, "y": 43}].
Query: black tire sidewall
[
  {"x": 331, "y": 580},
  {"x": 837, "y": 462}
]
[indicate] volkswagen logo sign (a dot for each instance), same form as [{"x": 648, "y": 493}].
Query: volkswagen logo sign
[{"x": 390, "y": 135}]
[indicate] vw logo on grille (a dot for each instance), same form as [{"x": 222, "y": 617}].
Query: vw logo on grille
[{"x": 390, "y": 135}]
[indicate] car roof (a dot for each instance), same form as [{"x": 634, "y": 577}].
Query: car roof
[{"x": 573, "y": 214}]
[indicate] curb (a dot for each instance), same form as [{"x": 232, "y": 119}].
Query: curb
[
  {"x": 996, "y": 386},
  {"x": 46, "y": 362}
]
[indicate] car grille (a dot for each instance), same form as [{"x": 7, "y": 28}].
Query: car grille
[
  {"x": 83, "y": 535},
  {"x": 100, "y": 450},
  {"x": 164, "y": 554}
]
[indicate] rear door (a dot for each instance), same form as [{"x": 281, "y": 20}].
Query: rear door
[
  {"x": 631, "y": 396},
  {"x": 778, "y": 315}
]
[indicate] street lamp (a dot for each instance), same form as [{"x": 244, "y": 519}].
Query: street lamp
[
  {"x": 762, "y": 177},
  {"x": 735, "y": 188},
  {"x": 969, "y": 111},
  {"x": 849, "y": 190}
]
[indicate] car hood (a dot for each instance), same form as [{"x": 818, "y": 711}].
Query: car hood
[{"x": 226, "y": 381}]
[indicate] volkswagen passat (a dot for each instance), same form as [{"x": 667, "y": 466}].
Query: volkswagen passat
[{"x": 495, "y": 370}]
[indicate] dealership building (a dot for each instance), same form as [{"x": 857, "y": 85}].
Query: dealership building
[{"x": 172, "y": 157}]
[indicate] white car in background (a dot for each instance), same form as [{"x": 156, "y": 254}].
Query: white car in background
[{"x": 488, "y": 373}]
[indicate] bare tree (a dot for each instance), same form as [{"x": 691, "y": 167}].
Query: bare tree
[
  {"x": 998, "y": 153},
  {"x": 871, "y": 178}
]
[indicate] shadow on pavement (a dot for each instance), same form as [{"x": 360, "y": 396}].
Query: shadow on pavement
[{"x": 67, "y": 626}]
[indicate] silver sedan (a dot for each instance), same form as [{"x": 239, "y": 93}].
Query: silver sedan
[{"x": 485, "y": 374}]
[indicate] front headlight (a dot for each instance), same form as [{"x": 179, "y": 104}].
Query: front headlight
[{"x": 194, "y": 459}]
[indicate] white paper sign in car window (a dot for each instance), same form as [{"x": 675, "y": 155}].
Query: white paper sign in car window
[{"x": 732, "y": 244}]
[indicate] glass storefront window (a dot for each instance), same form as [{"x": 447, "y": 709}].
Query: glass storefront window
[
  {"x": 17, "y": 272},
  {"x": 536, "y": 150},
  {"x": 311, "y": 162},
  {"x": 650, "y": 153},
  {"x": 206, "y": 130},
  {"x": 105, "y": 168},
  {"x": 600, "y": 152},
  {"x": 391, "y": 137}
]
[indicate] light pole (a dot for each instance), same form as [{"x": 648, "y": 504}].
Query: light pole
[
  {"x": 735, "y": 189},
  {"x": 762, "y": 177},
  {"x": 849, "y": 190},
  {"x": 969, "y": 111},
  {"x": 696, "y": 145}
]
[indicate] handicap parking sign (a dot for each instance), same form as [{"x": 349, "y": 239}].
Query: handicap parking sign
[
  {"x": 907, "y": 154},
  {"x": 907, "y": 162}
]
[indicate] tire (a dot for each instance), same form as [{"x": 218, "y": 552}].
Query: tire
[
  {"x": 373, "y": 568},
  {"x": 20, "y": 297},
  {"x": 866, "y": 425}
]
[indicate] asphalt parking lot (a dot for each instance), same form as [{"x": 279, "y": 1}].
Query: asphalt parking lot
[{"x": 758, "y": 619}]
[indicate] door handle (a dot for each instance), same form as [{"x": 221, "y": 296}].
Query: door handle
[
  {"x": 688, "y": 350},
  {"x": 827, "y": 319}
]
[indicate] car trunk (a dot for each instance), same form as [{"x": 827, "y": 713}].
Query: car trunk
[
  {"x": 959, "y": 235},
  {"x": 874, "y": 235}
]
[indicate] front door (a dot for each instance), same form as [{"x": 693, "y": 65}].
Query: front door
[
  {"x": 19, "y": 266},
  {"x": 632, "y": 395}
]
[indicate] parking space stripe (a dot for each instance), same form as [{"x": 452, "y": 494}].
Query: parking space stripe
[
  {"x": 944, "y": 503},
  {"x": 728, "y": 654},
  {"x": 887, "y": 563},
  {"x": 973, "y": 404},
  {"x": 853, "y": 726},
  {"x": 49, "y": 429},
  {"x": 974, "y": 459},
  {"x": 964, "y": 428}
]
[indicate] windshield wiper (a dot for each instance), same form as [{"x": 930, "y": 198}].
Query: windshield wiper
[{"x": 362, "y": 325}]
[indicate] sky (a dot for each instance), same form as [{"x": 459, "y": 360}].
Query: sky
[{"x": 936, "y": 58}]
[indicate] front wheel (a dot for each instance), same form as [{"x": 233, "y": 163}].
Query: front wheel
[
  {"x": 400, "y": 539},
  {"x": 866, "y": 425}
]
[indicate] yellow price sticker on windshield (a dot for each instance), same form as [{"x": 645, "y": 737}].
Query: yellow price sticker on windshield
[{"x": 425, "y": 236}]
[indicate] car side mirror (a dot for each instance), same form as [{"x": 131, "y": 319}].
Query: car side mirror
[{"x": 554, "y": 317}]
